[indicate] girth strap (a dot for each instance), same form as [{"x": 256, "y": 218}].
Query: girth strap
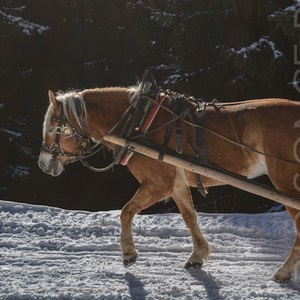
[
  {"x": 202, "y": 154},
  {"x": 165, "y": 141}
]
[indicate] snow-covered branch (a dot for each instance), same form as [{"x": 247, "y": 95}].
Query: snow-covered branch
[
  {"x": 28, "y": 28},
  {"x": 258, "y": 46}
]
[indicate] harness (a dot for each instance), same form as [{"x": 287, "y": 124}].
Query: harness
[
  {"x": 134, "y": 124},
  {"x": 145, "y": 109}
]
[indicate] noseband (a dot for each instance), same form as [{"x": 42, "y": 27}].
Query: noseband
[{"x": 65, "y": 130}]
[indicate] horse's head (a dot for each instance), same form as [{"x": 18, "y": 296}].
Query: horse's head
[{"x": 62, "y": 143}]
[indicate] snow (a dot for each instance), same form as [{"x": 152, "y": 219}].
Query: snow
[
  {"x": 51, "y": 253},
  {"x": 172, "y": 79},
  {"x": 28, "y": 28},
  {"x": 275, "y": 208},
  {"x": 292, "y": 9},
  {"x": 13, "y": 134},
  {"x": 18, "y": 171},
  {"x": 257, "y": 46}
]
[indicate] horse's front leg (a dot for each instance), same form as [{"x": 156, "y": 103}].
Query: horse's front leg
[
  {"x": 183, "y": 198},
  {"x": 148, "y": 194}
]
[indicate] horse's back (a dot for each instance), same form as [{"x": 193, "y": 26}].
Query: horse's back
[
  {"x": 268, "y": 103},
  {"x": 276, "y": 123},
  {"x": 270, "y": 113},
  {"x": 240, "y": 131}
]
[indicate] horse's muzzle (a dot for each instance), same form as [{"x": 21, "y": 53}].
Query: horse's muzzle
[{"x": 50, "y": 165}]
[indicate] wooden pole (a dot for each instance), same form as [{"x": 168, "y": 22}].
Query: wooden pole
[{"x": 245, "y": 185}]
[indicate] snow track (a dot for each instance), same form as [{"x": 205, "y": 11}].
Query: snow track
[{"x": 50, "y": 253}]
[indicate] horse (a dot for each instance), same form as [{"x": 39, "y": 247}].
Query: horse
[{"x": 249, "y": 138}]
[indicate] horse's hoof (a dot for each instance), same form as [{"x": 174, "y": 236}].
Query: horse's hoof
[
  {"x": 281, "y": 276},
  {"x": 193, "y": 265},
  {"x": 129, "y": 261},
  {"x": 279, "y": 280}
]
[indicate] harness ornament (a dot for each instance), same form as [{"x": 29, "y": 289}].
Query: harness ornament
[{"x": 66, "y": 131}]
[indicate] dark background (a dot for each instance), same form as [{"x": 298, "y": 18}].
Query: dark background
[{"x": 224, "y": 49}]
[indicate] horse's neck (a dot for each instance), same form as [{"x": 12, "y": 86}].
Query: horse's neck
[{"x": 104, "y": 109}]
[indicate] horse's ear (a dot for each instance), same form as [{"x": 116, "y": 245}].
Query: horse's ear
[{"x": 53, "y": 99}]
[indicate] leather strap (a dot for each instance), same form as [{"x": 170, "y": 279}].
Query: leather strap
[
  {"x": 166, "y": 141},
  {"x": 202, "y": 155}
]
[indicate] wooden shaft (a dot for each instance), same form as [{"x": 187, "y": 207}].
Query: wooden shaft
[{"x": 245, "y": 185}]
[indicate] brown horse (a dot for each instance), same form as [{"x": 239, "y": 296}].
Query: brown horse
[{"x": 249, "y": 138}]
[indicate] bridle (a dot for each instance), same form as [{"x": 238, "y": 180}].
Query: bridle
[{"x": 85, "y": 147}]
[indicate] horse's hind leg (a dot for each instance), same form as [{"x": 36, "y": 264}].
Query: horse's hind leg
[
  {"x": 284, "y": 272},
  {"x": 284, "y": 182},
  {"x": 183, "y": 198}
]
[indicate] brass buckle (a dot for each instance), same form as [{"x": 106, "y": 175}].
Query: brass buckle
[{"x": 66, "y": 131}]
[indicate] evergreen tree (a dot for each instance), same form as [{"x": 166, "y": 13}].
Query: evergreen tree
[{"x": 224, "y": 49}]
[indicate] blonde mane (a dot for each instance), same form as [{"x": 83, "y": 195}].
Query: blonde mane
[
  {"x": 69, "y": 107},
  {"x": 73, "y": 104}
]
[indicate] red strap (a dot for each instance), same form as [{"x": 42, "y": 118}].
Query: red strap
[
  {"x": 144, "y": 128},
  {"x": 152, "y": 113},
  {"x": 125, "y": 158}
]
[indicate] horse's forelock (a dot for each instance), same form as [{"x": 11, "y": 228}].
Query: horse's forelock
[{"x": 67, "y": 101}]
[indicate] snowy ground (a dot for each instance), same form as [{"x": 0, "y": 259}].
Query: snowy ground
[{"x": 49, "y": 253}]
